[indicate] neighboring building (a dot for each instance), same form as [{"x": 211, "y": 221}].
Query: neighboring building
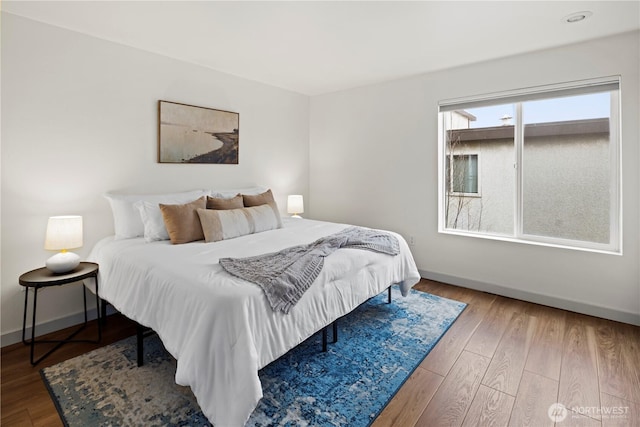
[
  {"x": 557, "y": 188},
  {"x": 461, "y": 119}
]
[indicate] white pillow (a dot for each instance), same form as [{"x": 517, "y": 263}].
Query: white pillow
[
  {"x": 127, "y": 221},
  {"x": 152, "y": 219},
  {"x": 228, "y": 194}
]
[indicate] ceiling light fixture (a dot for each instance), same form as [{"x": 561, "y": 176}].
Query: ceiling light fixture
[{"x": 577, "y": 17}]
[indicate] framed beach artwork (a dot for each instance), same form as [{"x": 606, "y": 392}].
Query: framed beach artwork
[{"x": 191, "y": 134}]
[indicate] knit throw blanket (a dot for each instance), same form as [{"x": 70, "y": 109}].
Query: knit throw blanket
[{"x": 285, "y": 275}]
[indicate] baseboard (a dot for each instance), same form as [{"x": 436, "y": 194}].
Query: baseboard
[
  {"x": 551, "y": 301},
  {"x": 10, "y": 338}
]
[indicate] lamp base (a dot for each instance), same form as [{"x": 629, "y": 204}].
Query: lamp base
[
  {"x": 63, "y": 262},
  {"x": 295, "y": 216}
]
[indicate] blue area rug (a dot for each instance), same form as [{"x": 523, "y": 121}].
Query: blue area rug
[{"x": 379, "y": 346}]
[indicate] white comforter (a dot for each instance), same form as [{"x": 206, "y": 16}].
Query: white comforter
[{"x": 221, "y": 329}]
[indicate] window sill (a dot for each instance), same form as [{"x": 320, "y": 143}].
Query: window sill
[{"x": 599, "y": 250}]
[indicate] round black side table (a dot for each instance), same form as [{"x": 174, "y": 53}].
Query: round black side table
[{"x": 44, "y": 278}]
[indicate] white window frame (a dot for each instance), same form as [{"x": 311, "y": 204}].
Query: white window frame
[{"x": 611, "y": 83}]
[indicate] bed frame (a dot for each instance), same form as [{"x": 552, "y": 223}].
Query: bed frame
[{"x": 142, "y": 331}]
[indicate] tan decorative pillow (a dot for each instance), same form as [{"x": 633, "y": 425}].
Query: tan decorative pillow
[
  {"x": 265, "y": 198},
  {"x": 224, "y": 204},
  {"x": 258, "y": 199},
  {"x": 182, "y": 221},
  {"x": 226, "y": 224}
]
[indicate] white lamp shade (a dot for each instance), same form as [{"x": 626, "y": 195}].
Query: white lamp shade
[
  {"x": 64, "y": 232},
  {"x": 295, "y": 204}
]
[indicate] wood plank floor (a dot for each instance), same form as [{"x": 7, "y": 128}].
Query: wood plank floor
[{"x": 504, "y": 362}]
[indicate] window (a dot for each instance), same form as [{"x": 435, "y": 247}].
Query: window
[
  {"x": 463, "y": 177},
  {"x": 550, "y": 163}
]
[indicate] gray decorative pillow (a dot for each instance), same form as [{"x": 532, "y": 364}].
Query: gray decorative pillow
[{"x": 226, "y": 224}]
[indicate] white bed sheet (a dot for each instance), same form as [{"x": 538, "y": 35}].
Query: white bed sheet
[{"x": 220, "y": 328}]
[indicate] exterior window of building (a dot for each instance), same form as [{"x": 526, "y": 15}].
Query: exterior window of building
[
  {"x": 549, "y": 159},
  {"x": 463, "y": 177}
]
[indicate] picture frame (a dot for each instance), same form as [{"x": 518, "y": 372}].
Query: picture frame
[{"x": 192, "y": 134}]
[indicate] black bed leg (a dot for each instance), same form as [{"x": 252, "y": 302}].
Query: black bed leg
[
  {"x": 140, "y": 344},
  {"x": 103, "y": 311},
  {"x": 335, "y": 331},
  {"x": 389, "y": 301},
  {"x": 324, "y": 339},
  {"x": 334, "y": 326}
]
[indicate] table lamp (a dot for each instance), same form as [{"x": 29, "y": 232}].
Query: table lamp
[
  {"x": 63, "y": 233},
  {"x": 295, "y": 205}
]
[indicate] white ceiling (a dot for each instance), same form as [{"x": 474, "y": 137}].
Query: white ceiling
[{"x": 320, "y": 47}]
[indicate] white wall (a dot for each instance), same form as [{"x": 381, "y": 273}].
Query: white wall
[
  {"x": 374, "y": 162},
  {"x": 79, "y": 118}
]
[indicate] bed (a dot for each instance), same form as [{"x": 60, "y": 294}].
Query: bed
[{"x": 220, "y": 328}]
